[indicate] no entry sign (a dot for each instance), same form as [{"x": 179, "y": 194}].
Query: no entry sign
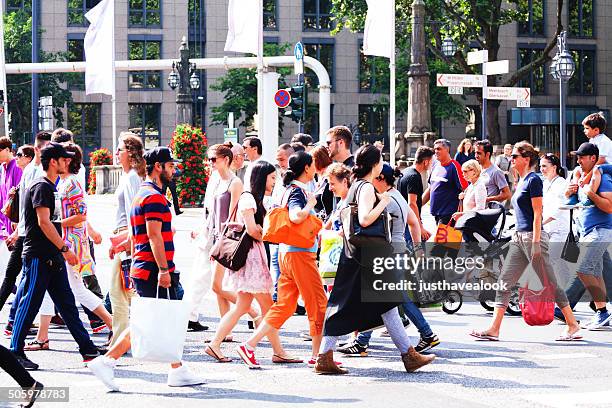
[{"x": 282, "y": 98}]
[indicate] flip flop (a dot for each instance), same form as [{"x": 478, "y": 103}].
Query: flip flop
[
  {"x": 227, "y": 339},
  {"x": 483, "y": 336},
  {"x": 569, "y": 337},
  {"x": 208, "y": 350},
  {"x": 286, "y": 360}
]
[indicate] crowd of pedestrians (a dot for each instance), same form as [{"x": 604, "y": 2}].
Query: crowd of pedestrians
[{"x": 52, "y": 243}]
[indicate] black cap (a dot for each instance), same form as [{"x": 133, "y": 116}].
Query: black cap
[
  {"x": 55, "y": 150},
  {"x": 587, "y": 149},
  {"x": 160, "y": 154}
]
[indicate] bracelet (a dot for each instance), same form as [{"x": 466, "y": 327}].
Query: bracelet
[{"x": 164, "y": 273}]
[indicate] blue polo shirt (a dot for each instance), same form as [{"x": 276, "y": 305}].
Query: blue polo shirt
[
  {"x": 530, "y": 187},
  {"x": 593, "y": 217},
  {"x": 445, "y": 184}
]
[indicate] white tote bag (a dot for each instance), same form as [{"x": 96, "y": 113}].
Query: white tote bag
[{"x": 158, "y": 328}]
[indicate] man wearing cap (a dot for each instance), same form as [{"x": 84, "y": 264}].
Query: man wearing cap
[
  {"x": 152, "y": 261},
  {"x": 594, "y": 263},
  {"x": 44, "y": 259}
]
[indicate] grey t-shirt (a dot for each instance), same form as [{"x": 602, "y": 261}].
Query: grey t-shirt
[
  {"x": 494, "y": 180},
  {"x": 398, "y": 209},
  {"x": 129, "y": 184}
]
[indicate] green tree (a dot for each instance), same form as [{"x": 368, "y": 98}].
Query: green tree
[
  {"x": 239, "y": 88},
  {"x": 18, "y": 49},
  {"x": 466, "y": 22}
]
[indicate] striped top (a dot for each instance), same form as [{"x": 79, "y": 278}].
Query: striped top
[{"x": 149, "y": 204}]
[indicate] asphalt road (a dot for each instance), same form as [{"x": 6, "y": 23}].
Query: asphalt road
[{"x": 527, "y": 368}]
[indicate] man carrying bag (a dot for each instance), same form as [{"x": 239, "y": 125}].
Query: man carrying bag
[{"x": 154, "y": 277}]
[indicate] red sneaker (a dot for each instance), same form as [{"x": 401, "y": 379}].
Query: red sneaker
[
  {"x": 97, "y": 326},
  {"x": 312, "y": 362},
  {"x": 248, "y": 356}
]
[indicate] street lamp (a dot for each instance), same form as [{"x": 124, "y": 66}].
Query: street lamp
[
  {"x": 562, "y": 69},
  {"x": 184, "y": 77},
  {"x": 448, "y": 47}
]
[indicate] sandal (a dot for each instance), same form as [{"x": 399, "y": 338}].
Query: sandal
[
  {"x": 36, "y": 345},
  {"x": 286, "y": 360},
  {"x": 208, "y": 350},
  {"x": 565, "y": 336},
  {"x": 481, "y": 335}
]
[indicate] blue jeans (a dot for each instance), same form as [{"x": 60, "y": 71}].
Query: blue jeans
[{"x": 414, "y": 315}]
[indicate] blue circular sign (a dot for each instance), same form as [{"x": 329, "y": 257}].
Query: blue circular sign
[{"x": 282, "y": 98}]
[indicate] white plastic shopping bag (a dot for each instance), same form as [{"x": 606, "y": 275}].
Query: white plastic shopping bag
[
  {"x": 331, "y": 248},
  {"x": 158, "y": 328}
]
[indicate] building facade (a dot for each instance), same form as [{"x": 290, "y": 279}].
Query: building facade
[{"x": 151, "y": 29}]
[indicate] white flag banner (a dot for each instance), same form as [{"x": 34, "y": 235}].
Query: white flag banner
[
  {"x": 243, "y": 26},
  {"x": 379, "y": 29},
  {"x": 99, "y": 50}
]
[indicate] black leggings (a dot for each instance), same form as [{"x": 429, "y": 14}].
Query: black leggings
[
  {"x": 9, "y": 363},
  {"x": 13, "y": 269}
]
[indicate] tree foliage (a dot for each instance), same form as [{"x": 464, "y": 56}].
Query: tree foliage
[
  {"x": 466, "y": 22},
  {"x": 18, "y": 49},
  {"x": 239, "y": 87}
]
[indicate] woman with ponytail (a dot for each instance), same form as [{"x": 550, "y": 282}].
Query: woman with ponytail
[
  {"x": 298, "y": 266},
  {"x": 346, "y": 312},
  {"x": 555, "y": 222}
]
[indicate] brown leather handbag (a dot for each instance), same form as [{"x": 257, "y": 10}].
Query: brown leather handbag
[
  {"x": 233, "y": 246},
  {"x": 11, "y": 207}
]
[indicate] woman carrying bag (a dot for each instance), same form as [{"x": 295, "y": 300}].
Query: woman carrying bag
[
  {"x": 253, "y": 280},
  {"x": 299, "y": 272},
  {"x": 529, "y": 246},
  {"x": 346, "y": 312}
]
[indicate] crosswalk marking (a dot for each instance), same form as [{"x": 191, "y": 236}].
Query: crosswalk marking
[{"x": 469, "y": 360}]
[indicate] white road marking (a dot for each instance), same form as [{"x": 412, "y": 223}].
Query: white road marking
[
  {"x": 570, "y": 400},
  {"x": 563, "y": 356},
  {"x": 469, "y": 360}
]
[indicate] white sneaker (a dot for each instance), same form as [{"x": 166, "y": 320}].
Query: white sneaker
[
  {"x": 182, "y": 377},
  {"x": 104, "y": 368}
]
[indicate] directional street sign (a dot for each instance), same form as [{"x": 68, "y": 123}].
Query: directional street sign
[
  {"x": 522, "y": 96},
  {"x": 465, "y": 81},
  {"x": 282, "y": 98},
  {"x": 477, "y": 57},
  {"x": 497, "y": 67}
]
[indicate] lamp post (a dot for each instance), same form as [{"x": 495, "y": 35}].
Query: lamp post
[
  {"x": 562, "y": 69},
  {"x": 184, "y": 77}
]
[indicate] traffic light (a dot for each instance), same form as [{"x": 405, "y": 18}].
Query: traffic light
[{"x": 299, "y": 98}]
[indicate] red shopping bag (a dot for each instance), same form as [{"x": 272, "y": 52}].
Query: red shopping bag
[{"x": 538, "y": 307}]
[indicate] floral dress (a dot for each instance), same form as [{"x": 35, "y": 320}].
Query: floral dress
[
  {"x": 255, "y": 276},
  {"x": 76, "y": 238}
]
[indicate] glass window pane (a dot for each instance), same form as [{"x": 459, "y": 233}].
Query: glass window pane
[
  {"x": 325, "y": 6},
  {"x": 153, "y": 50},
  {"x": 136, "y": 50},
  {"x": 71, "y": 3},
  {"x": 153, "y": 79},
  {"x": 587, "y": 18},
  {"x": 310, "y": 6},
  {"x": 537, "y": 17},
  {"x": 136, "y": 79},
  {"x": 153, "y": 18},
  {"x": 136, "y": 18},
  {"x": 153, "y": 4},
  {"x": 136, "y": 4},
  {"x": 573, "y": 17}
]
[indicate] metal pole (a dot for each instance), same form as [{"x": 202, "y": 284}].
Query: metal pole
[
  {"x": 114, "y": 101},
  {"x": 3, "y": 69},
  {"x": 563, "y": 127},
  {"x": 392, "y": 92},
  {"x": 485, "y": 84},
  {"x": 35, "y": 57},
  {"x": 260, "y": 71}
]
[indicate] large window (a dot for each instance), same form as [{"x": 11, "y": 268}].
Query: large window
[
  {"x": 270, "y": 15},
  {"x": 536, "y": 79},
  {"x": 145, "y": 120},
  {"x": 373, "y": 120},
  {"x": 322, "y": 50},
  {"x": 373, "y": 74},
  {"x": 534, "y": 25},
  {"x": 144, "y": 13},
  {"x": 317, "y": 15},
  {"x": 76, "y": 52},
  {"x": 581, "y": 19},
  {"x": 142, "y": 47},
  {"x": 77, "y": 10},
  {"x": 84, "y": 123},
  {"x": 583, "y": 80}
]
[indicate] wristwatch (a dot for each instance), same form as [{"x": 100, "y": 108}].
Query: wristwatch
[{"x": 64, "y": 249}]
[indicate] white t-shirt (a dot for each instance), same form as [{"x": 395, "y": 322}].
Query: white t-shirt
[
  {"x": 475, "y": 196},
  {"x": 246, "y": 202},
  {"x": 604, "y": 144},
  {"x": 247, "y": 174},
  {"x": 128, "y": 187},
  {"x": 554, "y": 196}
]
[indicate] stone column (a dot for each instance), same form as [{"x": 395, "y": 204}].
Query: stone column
[
  {"x": 184, "y": 100},
  {"x": 419, "y": 114}
]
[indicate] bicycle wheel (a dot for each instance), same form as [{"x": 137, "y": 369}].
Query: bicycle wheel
[{"x": 453, "y": 302}]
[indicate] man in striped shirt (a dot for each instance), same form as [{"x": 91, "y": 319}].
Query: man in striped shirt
[{"x": 152, "y": 261}]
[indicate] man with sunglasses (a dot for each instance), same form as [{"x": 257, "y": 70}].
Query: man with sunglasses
[{"x": 338, "y": 141}]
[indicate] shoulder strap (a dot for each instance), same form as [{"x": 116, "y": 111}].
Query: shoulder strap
[{"x": 399, "y": 205}]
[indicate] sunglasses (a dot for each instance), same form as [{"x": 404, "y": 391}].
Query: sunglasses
[
  {"x": 19, "y": 154},
  {"x": 514, "y": 156},
  {"x": 212, "y": 159},
  {"x": 328, "y": 142}
]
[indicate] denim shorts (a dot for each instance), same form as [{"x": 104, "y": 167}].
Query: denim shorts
[{"x": 593, "y": 248}]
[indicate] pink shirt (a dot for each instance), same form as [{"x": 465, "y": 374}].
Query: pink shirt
[{"x": 10, "y": 175}]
